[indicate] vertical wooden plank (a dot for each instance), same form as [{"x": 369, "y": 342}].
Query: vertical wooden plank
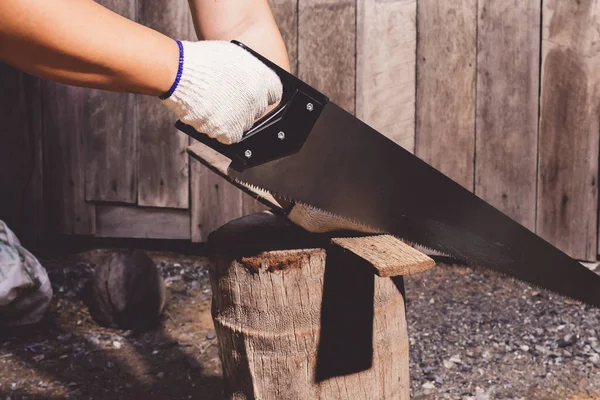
[
  {"x": 446, "y": 71},
  {"x": 111, "y": 168},
  {"x": 162, "y": 159},
  {"x": 507, "y": 106},
  {"x": 64, "y": 160},
  {"x": 21, "y": 202},
  {"x": 286, "y": 16},
  {"x": 569, "y": 126},
  {"x": 327, "y": 48},
  {"x": 386, "y": 38},
  {"x": 214, "y": 201}
]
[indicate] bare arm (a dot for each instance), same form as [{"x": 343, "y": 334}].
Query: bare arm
[
  {"x": 249, "y": 21},
  {"x": 81, "y": 43}
]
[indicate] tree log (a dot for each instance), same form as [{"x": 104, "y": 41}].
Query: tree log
[{"x": 299, "y": 317}]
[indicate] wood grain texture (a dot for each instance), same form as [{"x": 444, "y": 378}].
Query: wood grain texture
[
  {"x": 446, "y": 73},
  {"x": 286, "y": 16},
  {"x": 386, "y": 39},
  {"x": 569, "y": 127},
  {"x": 283, "y": 318},
  {"x": 163, "y": 178},
  {"x": 214, "y": 201},
  {"x": 508, "y": 61},
  {"x": 140, "y": 222},
  {"x": 111, "y": 136},
  {"x": 327, "y": 48},
  {"x": 388, "y": 255},
  {"x": 64, "y": 160},
  {"x": 21, "y": 172}
]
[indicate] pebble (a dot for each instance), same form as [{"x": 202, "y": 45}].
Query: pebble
[
  {"x": 566, "y": 341},
  {"x": 595, "y": 359},
  {"x": 211, "y": 335},
  {"x": 428, "y": 386},
  {"x": 524, "y": 348},
  {"x": 160, "y": 375},
  {"x": 117, "y": 345}
]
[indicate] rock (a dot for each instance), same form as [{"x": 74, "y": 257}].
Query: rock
[
  {"x": 160, "y": 375},
  {"x": 117, "y": 345},
  {"x": 567, "y": 340},
  {"x": 211, "y": 335},
  {"x": 481, "y": 394},
  {"x": 595, "y": 359},
  {"x": 428, "y": 386},
  {"x": 524, "y": 348}
]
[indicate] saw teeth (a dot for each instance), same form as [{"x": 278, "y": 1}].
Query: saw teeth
[{"x": 261, "y": 192}]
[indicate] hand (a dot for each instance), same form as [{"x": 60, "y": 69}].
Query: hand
[{"x": 222, "y": 90}]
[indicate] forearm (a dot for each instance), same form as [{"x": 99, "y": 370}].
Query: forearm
[
  {"x": 81, "y": 43},
  {"x": 249, "y": 21}
]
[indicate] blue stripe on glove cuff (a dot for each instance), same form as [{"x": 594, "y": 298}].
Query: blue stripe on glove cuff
[{"x": 178, "y": 77}]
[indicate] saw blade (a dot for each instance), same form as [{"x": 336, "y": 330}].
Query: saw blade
[{"x": 350, "y": 170}]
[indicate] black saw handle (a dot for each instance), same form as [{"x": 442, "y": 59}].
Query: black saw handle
[{"x": 279, "y": 133}]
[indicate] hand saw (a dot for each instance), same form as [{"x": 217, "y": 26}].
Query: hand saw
[{"x": 310, "y": 151}]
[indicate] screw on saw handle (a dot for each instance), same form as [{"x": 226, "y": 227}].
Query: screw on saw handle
[{"x": 279, "y": 133}]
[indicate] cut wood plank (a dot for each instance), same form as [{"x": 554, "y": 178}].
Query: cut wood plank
[
  {"x": 286, "y": 16},
  {"x": 386, "y": 38},
  {"x": 21, "y": 202},
  {"x": 110, "y": 129},
  {"x": 140, "y": 222},
  {"x": 64, "y": 160},
  {"x": 327, "y": 48},
  {"x": 388, "y": 255},
  {"x": 163, "y": 180},
  {"x": 569, "y": 126},
  {"x": 446, "y": 59},
  {"x": 508, "y": 63}
]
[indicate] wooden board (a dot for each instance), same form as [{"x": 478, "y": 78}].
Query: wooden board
[
  {"x": 388, "y": 255},
  {"x": 111, "y": 136},
  {"x": 162, "y": 159},
  {"x": 508, "y": 64},
  {"x": 21, "y": 202},
  {"x": 140, "y": 222},
  {"x": 568, "y": 158},
  {"x": 214, "y": 201},
  {"x": 386, "y": 39},
  {"x": 327, "y": 48},
  {"x": 64, "y": 160},
  {"x": 286, "y": 16},
  {"x": 446, "y": 72}
]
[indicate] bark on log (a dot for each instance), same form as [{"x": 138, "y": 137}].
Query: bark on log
[{"x": 300, "y": 318}]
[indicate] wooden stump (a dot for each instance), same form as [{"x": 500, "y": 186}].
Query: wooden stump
[{"x": 298, "y": 317}]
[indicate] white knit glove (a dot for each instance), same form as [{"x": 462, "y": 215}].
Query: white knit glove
[{"x": 222, "y": 90}]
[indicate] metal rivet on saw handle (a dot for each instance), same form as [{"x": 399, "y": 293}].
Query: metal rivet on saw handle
[
  {"x": 310, "y": 107},
  {"x": 281, "y": 135},
  {"x": 248, "y": 153}
]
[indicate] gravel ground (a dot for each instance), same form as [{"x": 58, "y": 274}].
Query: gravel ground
[
  {"x": 473, "y": 335},
  {"x": 477, "y": 335}
]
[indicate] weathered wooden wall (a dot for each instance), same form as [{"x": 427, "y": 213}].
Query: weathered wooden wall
[{"x": 501, "y": 95}]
